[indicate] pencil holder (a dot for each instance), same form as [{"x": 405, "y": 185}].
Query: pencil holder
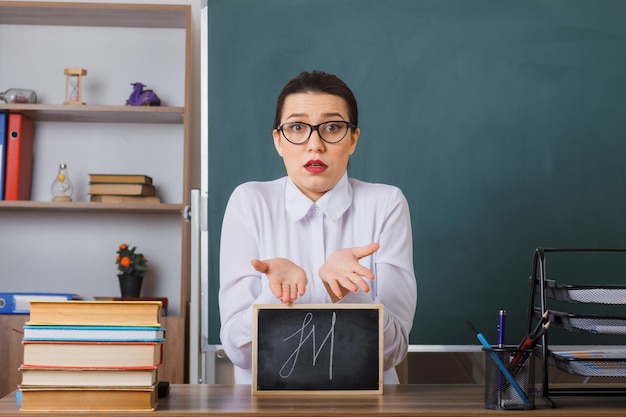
[{"x": 509, "y": 378}]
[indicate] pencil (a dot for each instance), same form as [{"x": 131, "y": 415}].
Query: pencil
[
  {"x": 527, "y": 342},
  {"x": 522, "y": 355},
  {"x": 542, "y": 321}
]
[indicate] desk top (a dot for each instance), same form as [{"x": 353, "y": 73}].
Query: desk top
[{"x": 397, "y": 400}]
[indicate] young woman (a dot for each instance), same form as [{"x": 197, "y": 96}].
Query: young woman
[{"x": 316, "y": 235}]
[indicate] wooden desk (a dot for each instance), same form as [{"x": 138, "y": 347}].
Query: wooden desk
[{"x": 397, "y": 400}]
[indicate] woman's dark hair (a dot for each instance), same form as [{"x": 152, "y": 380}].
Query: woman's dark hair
[{"x": 318, "y": 81}]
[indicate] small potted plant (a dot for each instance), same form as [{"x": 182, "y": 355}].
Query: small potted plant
[{"x": 131, "y": 267}]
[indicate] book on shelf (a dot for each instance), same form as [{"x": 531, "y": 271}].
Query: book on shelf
[
  {"x": 94, "y": 333},
  {"x": 109, "y": 198},
  {"x": 19, "y": 302},
  {"x": 3, "y": 151},
  {"x": 120, "y": 178},
  {"x": 19, "y": 157},
  {"x": 122, "y": 189},
  {"x": 97, "y": 313},
  {"x": 92, "y": 354},
  {"x": 46, "y": 398},
  {"x": 88, "y": 377}
]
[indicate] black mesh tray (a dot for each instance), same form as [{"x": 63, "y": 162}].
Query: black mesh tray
[
  {"x": 596, "y": 294},
  {"x": 610, "y": 362},
  {"x": 581, "y": 323}
]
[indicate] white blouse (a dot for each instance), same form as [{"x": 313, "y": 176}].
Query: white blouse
[{"x": 274, "y": 219}]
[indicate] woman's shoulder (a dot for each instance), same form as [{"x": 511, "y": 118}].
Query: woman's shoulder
[
  {"x": 376, "y": 189},
  {"x": 256, "y": 189}
]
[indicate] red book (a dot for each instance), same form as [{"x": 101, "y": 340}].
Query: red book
[{"x": 19, "y": 158}]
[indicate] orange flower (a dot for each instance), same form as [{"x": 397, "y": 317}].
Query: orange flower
[{"x": 130, "y": 262}]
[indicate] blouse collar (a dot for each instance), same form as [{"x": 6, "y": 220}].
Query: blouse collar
[{"x": 334, "y": 203}]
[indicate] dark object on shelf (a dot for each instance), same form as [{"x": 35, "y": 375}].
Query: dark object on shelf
[
  {"x": 163, "y": 389},
  {"x": 130, "y": 285},
  {"x": 142, "y": 97}
]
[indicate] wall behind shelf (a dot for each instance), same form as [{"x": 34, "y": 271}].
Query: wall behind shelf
[
  {"x": 108, "y": 148},
  {"x": 112, "y": 57},
  {"x": 75, "y": 252}
]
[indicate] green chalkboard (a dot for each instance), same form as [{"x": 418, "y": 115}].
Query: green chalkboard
[{"x": 503, "y": 121}]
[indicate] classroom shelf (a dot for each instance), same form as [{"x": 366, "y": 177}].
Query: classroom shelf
[
  {"x": 42, "y": 206},
  {"x": 94, "y": 114}
]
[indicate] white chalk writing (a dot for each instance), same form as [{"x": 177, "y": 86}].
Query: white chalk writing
[{"x": 287, "y": 369}]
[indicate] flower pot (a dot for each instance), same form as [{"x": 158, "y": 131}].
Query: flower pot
[{"x": 130, "y": 285}]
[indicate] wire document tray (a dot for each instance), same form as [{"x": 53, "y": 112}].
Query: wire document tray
[
  {"x": 601, "y": 361},
  {"x": 599, "y": 294},
  {"x": 591, "y": 363},
  {"x": 586, "y": 323}
]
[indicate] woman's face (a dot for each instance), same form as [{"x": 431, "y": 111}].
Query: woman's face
[{"x": 315, "y": 166}]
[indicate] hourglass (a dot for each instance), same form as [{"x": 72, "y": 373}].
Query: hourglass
[{"x": 73, "y": 85}]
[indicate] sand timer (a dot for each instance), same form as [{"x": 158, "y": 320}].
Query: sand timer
[{"x": 74, "y": 85}]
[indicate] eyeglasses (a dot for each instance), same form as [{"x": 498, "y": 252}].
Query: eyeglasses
[{"x": 330, "y": 132}]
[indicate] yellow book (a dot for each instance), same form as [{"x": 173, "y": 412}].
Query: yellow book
[
  {"x": 126, "y": 178},
  {"x": 88, "y": 399},
  {"x": 122, "y": 189},
  {"x": 102, "y": 313},
  {"x": 107, "y": 198},
  {"x": 88, "y": 377}
]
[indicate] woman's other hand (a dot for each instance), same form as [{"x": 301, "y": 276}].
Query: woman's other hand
[
  {"x": 342, "y": 271},
  {"x": 287, "y": 280}
]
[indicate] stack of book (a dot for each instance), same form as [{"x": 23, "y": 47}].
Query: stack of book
[
  {"x": 91, "y": 356},
  {"x": 122, "y": 188}
]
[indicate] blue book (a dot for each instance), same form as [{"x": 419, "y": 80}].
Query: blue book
[
  {"x": 3, "y": 152},
  {"x": 19, "y": 302},
  {"x": 94, "y": 333}
]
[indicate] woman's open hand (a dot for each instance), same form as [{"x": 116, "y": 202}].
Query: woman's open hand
[
  {"x": 287, "y": 280},
  {"x": 342, "y": 271}
]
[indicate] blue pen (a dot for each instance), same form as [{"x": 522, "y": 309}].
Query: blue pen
[
  {"x": 498, "y": 362},
  {"x": 501, "y": 328}
]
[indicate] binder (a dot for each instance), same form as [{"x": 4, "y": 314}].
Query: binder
[
  {"x": 19, "y": 157},
  {"x": 19, "y": 302},
  {"x": 3, "y": 151}
]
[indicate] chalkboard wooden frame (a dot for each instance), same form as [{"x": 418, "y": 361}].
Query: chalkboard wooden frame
[{"x": 352, "y": 344}]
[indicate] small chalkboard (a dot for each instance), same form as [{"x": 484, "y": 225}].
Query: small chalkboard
[{"x": 317, "y": 348}]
